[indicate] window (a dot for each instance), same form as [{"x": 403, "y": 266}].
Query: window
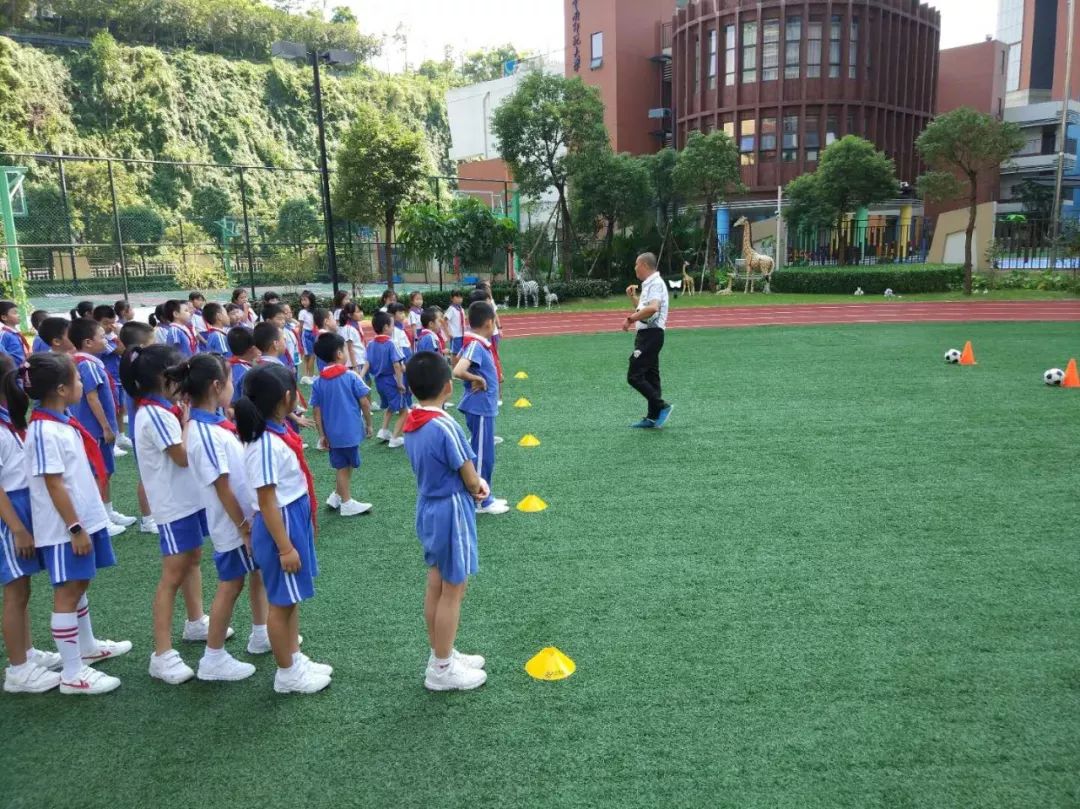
[
  {"x": 832, "y": 128},
  {"x": 853, "y": 47},
  {"x": 834, "y": 47},
  {"x": 1012, "y": 77},
  {"x": 812, "y": 138},
  {"x": 747, "y": 141},
  {"x": 729, "y": 129},
  {"x": 749, "y": 52},
  {"x": 792, "y": 47},
  {"x": 1049, "y": 140},
  {"x": 713, "y": 44},
  {"x": 729, "y": 55},
  {"x": 770, "y": 50},
  {"x": 791, "y": 138},
  {"x": 697, "y": 65},
  {"x": 768, "y": 139},
  {"x": 597, "y": 50},
  {"x": 851, "y": 128},
  {"x": 813, "y": 49}
]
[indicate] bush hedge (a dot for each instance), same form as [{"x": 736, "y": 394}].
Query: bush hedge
[
  {"x": 874, "y": 280},
  {"x": 1046, "y": 280}
]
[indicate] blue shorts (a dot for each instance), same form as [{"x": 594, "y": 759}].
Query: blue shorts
[
  {"x": 307, "y": 340},
  {"x": 446, "y": 527},
  {"x": 13, "y": 566},
  {"x": 107, "y": 454},
  {"x": 456, "y": 344},
  {"x": 234, "y": 564},
  {"x": 285, "y": 589},
  {"x": 345, "y": 457},
  {"x": 183, "y": 535},
  {"x": 64, "y": 566},
  {"x": 389, "y": 396}
]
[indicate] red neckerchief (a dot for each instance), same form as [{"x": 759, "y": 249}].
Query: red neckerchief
[
  {"x": 218, "y": 330},
  {"x": 234, "y": 361},
  {"x": 436, "y": 335},
  {"x": 382, "y": 338},
  {"x": 408, "y": 335},
  {"x": 215, "y": 418},
  {"x": 22, "y": 339},
  {"x": 418, "y": 417},
  {"x": 332, "y": 371},
  {"x": 472, "y": 338},
  {"x": 189, "y": 333},
  {"x": 81, "y": 357},
  {"x": 294, "y": 442},
  {"x": 156, "y": 402},
  {"x": 90, "y": 444}
]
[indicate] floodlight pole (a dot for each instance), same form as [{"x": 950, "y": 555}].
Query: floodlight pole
[
  {"x": 1062, "y": 136},
  {"x": 324, "y": 173}
]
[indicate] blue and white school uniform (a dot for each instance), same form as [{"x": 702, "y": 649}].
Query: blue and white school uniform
[
  {"x": 292, "y": 348},
  {"x": 13, "y": 344},
  {"x": 307, "y": 331},
  {"x": 383, "y": 354},
  {"x": 39, "y": 346},
  {"x": 400, "y": 337},
  {"x": 111, "y": 358},
  {"x": 414, "y": 321},
  {"x": 176, "y": 499},
  {"x": 428, "y": 341},
  {"x": 181, "y": 338},
  {"x": 14, "y": 482},
  {"x": 445, "y": 511},
  {"x": 455, "y": 320},
  {"x": 217, "y": 342},
  {"x": 238, "y": 368},
  {"x": 56, "y": 448},
  {"x": 214, "y": 450},
  {"x": 481, "y": 407},
  {"x": 95, "y": 379},
  {"x": 350, "y": 333},
  {"x": 269, "y": 461},
  {"x": 338, "y": 395},
  {"x": 198, "y": 326},
  {"x": 161, "y": 333}
]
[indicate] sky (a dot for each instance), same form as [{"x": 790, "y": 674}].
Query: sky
[{"x": 537, "y": 25}]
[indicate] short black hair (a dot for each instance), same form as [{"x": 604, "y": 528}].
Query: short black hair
[
  {"x": 37, "y": 316},
  {"x": 194, "y": 296},
  {"x": 53, "y": 328},
  {"x": 240, "y": 341},
  {"x": 327, "y": 346},
  {"x": 394, "y": 308},
  {"x": 210, "y": 312},
  {"x": 414, "y": 293},
  {"x": 169, "y": 310},
  {"x": 321, "y": 315},
  {"x": 381, "y": 320},
  {"x": 81, "y": 330},
  {"x": 456, "y": 293},
  {"x": 477, "y": 296},
  {"x": 429, "y": 315},
  {"x": 480, "y": 312},
  {"x": 104, "y": 311},
  {"x": 7, "y": 306},
  {"x": 47, "y": 372},
  {"x": 271, "y": 310},
  {"x": 136, "y": 333},
  {"x": 265, "y": 334},
  {"x": 121, "y": 306},
  {"x": 427, "y": 374},
  {"x": 270, "y": 297}
]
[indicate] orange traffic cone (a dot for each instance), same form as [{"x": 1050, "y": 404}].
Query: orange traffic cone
[
  {"x": 1072, "y": 379},
  {"x": 968, "y": 356}
]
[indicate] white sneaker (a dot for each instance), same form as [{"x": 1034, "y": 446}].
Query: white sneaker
[
  {"x": 494, "y": 508},
  {"x": 470, "y": 661},
  {"x": 318, "y": 668},
  {"x": 116, "y": 530},
  {"x": 197, "y": 631},
  {"x": 334, "y": 500},
  {"x": 497, "y": 440},
  {"x": 224, "y": 668},
  {"x": 261, "y": 645},
  {"x": 299, "y": 679},
  {"x": 375, "y": 408},
  {"x": 32, "y": 679},
  {"x": 147, "y": 525},
  {"x": 449, "y": 405},
  {"x": 384, "y": 435},
  {"x": 118, "y": 451},
  {"x": 350, "y": 508},
  {"x": 307, "y": 380},
  {"x": 394, "y": 443},
  {"x": 123, "y": 441},
  {"x": 117, "y": 518},
  {"x": 500, "y": 403},
  {"x": 106, "y": 650},
  {"x": 47, "y": 660},
  {"x": 170, "y": 668},
  {"x": 456, "y": 677},
  {"x": 90, "y": 681}
]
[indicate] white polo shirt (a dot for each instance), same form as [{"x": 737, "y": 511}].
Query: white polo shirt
[
  {"x": 351, "y": 334},
  {"x": 53, "y": 448},
  {"x": 214, "y": 451},
  {"x": 171, "y": 489},
  {"x": 12, "y": 463},
  {"x": 653, "y": 288},
  {"x": 269, "y": 462}
]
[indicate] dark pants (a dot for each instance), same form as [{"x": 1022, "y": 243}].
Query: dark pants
[{"x": 644, "y": 373}]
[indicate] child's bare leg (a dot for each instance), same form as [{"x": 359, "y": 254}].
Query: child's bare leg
[
  {"x": 278, "y": 626},
  {"x": 344, "y": 477},
  {"x": 432, "y": 593},
  {"x": 221, "y": 611},
  {"x": 174, "y": 572},
  {"x": 192, "y": 587},
  {"x": 447, "y": 615},
  {"x": 386, "y": 418},
  {"x": 399, "y": 428},
  {"x": 294, "y": 630},
  {"x": 144, "y": 504},
  {"x": 16, "y": 621},
  {"x": 257, "y": 597}
]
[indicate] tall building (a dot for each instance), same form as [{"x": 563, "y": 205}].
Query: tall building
[{"x": 1035, "y": 32}]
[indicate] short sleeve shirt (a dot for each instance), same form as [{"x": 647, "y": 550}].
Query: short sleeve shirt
[
  {"x": 217, "y": 343},
  {"x": 653, "y": 288},
  {"x": 12, "y": 463},
  {"x": 350, "y": 334},
  {"x": 338, "y": 400},
  {"x": 171, "y": 489},
  {"x": 94, "y": 380},
  {"x": 382, "y": 354},
  {"x": 268, "y": 461},
  {"x": 214, "y": 451},
  {"x": 437, "y": 451},
  {"x": 428, "y": 342},
  {"x": 481, "y": 363},
  {"x": 307, "y": 320}
]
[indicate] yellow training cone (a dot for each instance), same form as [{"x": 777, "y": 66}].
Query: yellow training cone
[
  {"x": 550, "y": 664},
  {"x": 521, "y": 375},
  {"x": 529, "y": 441},
  {"x": 531, "y": 503},
  {"x": 522, "y": 402}
]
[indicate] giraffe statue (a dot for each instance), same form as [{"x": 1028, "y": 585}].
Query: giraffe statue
[
  {"x": 687, "y": 280},
  {"x": 756, "y": 263}
]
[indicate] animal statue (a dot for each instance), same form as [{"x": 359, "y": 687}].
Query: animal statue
[
  {"x": 529, "y": 290},
  {"x": 859, "y": 291},
  {"x": 550, "y": 298},
  {"x": 687, "y": 280},
  {"x": 755, "y": 262}
]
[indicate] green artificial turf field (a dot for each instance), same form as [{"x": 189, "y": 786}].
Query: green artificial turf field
[{"x": 845, "y": 575}]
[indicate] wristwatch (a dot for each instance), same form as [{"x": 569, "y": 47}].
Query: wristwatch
[{"x": 75, "y": 529}]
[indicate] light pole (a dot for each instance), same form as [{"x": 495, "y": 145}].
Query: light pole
[
  {"x": 1062, "y": 137},
  {"x": 334, "y": 56}
]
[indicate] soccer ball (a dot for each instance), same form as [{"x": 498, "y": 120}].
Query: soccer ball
[
  {"x": 952, "y": 355},
  {"x": 1055, "y": 376}
]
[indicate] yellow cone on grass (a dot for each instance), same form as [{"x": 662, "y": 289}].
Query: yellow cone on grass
[
  {"x": 550, "y": 664},
  {"x": 521, "y": 375},
  {"x": 529, "y": 441},
  {"x": 531, "y": 504},
  {"x": 522, "y": 402}
]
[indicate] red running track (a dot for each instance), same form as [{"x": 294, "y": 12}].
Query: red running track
[{"x": 554, "y": 323}]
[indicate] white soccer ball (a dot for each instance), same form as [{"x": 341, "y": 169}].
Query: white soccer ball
[
  {"x": 1055, "y": 376},
  {"x": 952, "y": 355}
]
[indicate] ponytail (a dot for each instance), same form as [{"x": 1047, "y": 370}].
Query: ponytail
[
  {"x": 17, "y": 400},
  {"x": 194, "y": 376},
  {"x": 142, "y": 370},
  {"x": 347, "y": 311},
  {"x": 265, "y": 388},
  {"x": 47, "y": 371}
]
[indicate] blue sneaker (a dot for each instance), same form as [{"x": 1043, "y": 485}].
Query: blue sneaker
[
  {"x": 644, "y": 424},
  {"x": 661, "y": 420}
]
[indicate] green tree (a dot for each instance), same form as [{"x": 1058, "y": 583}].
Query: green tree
[
  {"x": 540, "y": 128},
  {"x": 424, "y": 232},
  {"x": 381, "y": 166},
  {"x": 806, "y": 207},
  {"x": 958, "y": 146},
  {"x": 611, "y": 190},
  {"x": 475, "y": 231},
  {"x": 661, "y": 168},
  {"x": 209, "y": 205},
  {"x": 489, "y": 63},
  {"x": 343, "y": 15},
  {"x": 141, "y": 228},
  {"x": 707, "y": 169},
  {"x": 1037, "y": 199},
  {"x": 297, "y": 224}
]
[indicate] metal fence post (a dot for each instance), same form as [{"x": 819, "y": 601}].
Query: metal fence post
[
  {"x": 247, "y": 230},
  {"x": 67, "y": 220},
  {"x": 116, "y": 223}
]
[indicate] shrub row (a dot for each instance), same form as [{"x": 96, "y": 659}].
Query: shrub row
[
  {"x": 873, "y": 280},
  {"x": 1018, "y": 279}
]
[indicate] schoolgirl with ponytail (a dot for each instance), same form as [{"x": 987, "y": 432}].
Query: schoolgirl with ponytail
[
  {"x": 174, "y": 498},
  {"x": 216, "y": 460},
  {"x": 70, "y": 524},
  {"x": 283, "y": 531}
]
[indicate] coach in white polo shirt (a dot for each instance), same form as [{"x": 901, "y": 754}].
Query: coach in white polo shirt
[{"x": 650, "y": 320}]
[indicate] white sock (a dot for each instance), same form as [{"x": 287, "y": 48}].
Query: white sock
[
  {"x": 213, "y": 654},
  {"x": 65, "y": 632},
  {"x": 442, "y": 663},
  {"x": 19, "y": 669},
  {"x": 108, "y": 507},
  {"x": 258, "y": 631},
  {"x": 87, "y": 642},
  {"x": 197, "y": 621}
]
